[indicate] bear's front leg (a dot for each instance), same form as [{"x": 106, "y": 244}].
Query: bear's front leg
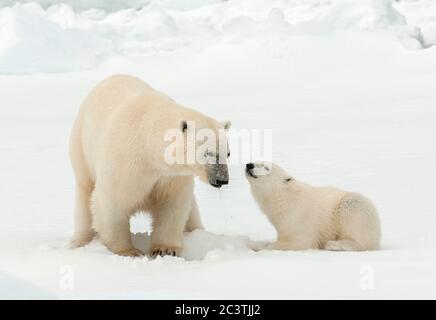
[
  {"x": 170, "y": 214},
  {"x": 169, "y": 222}
]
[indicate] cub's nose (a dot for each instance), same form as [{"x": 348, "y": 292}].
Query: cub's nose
[{"x": 249, "y": 166}]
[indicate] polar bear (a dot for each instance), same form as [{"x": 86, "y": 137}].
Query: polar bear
[
  {"x": 308, "y": 217},
  {"x": 118, "y": 151}
]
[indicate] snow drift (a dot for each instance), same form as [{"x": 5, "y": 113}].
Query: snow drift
[
  {"x": 30, "y": 43},
  {"x": 51, "y": 36}
]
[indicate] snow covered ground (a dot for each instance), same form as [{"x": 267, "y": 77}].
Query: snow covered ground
[{"x": 348, "y": 88}]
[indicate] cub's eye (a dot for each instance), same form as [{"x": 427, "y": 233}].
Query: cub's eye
[
  {"x": 289, "y": 179},
  {"x": 228, "y": 154}
]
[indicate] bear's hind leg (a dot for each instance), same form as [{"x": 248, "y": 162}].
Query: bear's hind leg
[
  {"x": 83, "y": 232},
  {"x": 359, "y": 224},
  {"x": 111, "y": 222}
]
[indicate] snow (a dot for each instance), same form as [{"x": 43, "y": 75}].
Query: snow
[
  {"x": 351, "y": 106},
  {"x": 420, "y": 14},
  {"x": 51, "y": 36},
  {"x": 82, "y": 5},
  {"x": 12, "y": 288},
  {"x": 30, "y": 43}
]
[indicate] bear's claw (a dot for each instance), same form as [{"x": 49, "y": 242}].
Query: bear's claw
[{"x": 162, "y": 251}]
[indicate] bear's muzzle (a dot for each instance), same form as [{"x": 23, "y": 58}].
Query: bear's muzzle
[{"x": 218, "y": 175}]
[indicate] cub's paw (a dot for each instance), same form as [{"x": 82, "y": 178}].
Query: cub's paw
[
  {"x": 257, "y": 245},
  {"x": 157, "y": 250},
  {"x": 132, "y": 252},
  {"x": 343, "y": 245}
]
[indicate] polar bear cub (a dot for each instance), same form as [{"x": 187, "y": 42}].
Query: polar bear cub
[{"x": 308, "y": 217}]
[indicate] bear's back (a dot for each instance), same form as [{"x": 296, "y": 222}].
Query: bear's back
[
  {"x": 112, "y": 93},
  {"x": 101, "y": 106}
]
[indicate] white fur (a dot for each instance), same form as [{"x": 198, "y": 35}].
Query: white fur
[
  {"x": 117, "y": 152},
  {"x": 308, "y": 217}
]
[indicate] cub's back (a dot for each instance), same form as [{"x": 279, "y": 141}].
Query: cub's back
[{"x": 328, "y": 198}]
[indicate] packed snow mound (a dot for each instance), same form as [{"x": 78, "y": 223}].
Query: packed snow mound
[
  {"x": 203, "y": 245},
  {"x": 422, "y": 14},
  {"x": 363, "y": 15},
  {"x": 81, "y": 5},
  {"x": 54, "y": 36},
  {"x": 31, "y": 43},
  {"x": 111, "y": 5}
]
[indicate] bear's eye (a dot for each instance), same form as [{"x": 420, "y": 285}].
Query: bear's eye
[
  {"x": 228, "y": 154},
  {"x": 289, "y": 179}
]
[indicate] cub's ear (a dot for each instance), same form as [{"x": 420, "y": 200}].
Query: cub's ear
[
  {"x": 183, "y": 125},
  {"x": 288, "y": 180},
  {"x": 226, "y": 124}
]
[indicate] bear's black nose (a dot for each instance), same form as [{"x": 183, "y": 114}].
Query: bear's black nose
[
  {"x": 219, "y": 183},
  {"x": 222, "y": 182},
  {"x": 250, "y": 166}
]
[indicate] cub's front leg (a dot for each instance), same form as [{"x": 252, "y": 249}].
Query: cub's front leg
[{"x": 172, "y": 201}]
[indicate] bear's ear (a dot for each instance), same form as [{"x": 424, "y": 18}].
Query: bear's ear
[
  {"x": 226, "y": 124},
  {"x": 183, "y": 125}
]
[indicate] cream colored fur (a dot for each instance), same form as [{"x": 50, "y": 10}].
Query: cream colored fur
[
  {"x": 308, "y": 217},
  {"x": 117, "y": 153}
]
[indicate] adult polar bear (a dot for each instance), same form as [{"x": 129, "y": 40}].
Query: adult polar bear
[{"x": 117, "y": 152}]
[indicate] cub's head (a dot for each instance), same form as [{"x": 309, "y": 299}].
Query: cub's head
[
  {"x": 201, "y": 149},
  {"x": 267, "y": 177}
]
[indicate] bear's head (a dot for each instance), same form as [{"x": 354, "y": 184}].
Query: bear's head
[
  {"x": 267, "y": 178},
  {"x": 198, "y": 146}
]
